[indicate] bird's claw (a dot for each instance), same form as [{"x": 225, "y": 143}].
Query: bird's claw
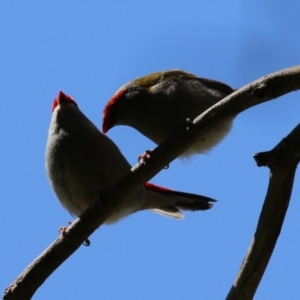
[
  {"x": 63, "y": 231},
  {"x": 86, "y": 242},
  {"x": 189, "y": 124},
  {"x": 143, "y": 157}
]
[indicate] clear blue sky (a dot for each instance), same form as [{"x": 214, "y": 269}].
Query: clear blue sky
[{"x": 89, "y": 49}]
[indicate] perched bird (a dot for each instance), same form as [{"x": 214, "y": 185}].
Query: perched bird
[
  {"x": 157, "y": 105},
  {"x": 82, "y": 163}
]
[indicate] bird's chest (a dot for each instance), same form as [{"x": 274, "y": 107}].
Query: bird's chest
[{"x": 72, "y": 182}]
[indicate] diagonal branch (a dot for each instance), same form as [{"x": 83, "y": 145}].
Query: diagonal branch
[
  {"x": 282, "y": 161},
  {"x": 262, "y": 90}
]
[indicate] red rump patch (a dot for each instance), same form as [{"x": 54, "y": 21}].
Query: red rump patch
[
  {"x": 153, "y": 187},
  {"x": 107, "y": 118},
  {"x": 61, "y": 97}
]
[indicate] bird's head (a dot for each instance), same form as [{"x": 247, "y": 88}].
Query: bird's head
[
  {"x": 63, "y": 99},
  {"x": 133, "y": 95}
]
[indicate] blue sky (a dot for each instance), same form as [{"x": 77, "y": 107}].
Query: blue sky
[{"x": 88, "y": 50}]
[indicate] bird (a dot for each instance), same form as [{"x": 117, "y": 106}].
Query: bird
[
  {"x": 82, "y": 163},
  {"x": 159, "y": 104}
]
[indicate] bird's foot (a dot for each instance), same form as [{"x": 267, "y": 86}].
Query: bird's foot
[
  {"x": 87, "y": 242},
  {"x": 63, "y": 231},
  {"x": 190, "y": 126},
  {"x": 142, "y": 159}
]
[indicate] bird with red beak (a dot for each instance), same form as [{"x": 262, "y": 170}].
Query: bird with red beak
[
  {"x": 158, "y": 105},
  {"x": 82, "y": 163}
]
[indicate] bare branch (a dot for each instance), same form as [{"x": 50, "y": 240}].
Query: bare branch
[
  {"x": 282, "y": 161},
  {"x": 262, "y": 90}
]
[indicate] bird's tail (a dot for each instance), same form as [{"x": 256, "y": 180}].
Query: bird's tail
[{"x": 169, "y": 203}]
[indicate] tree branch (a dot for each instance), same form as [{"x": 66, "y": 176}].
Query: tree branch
[
  {"x": 262, "y": 90},
  {"x": 282, "y": 161}
]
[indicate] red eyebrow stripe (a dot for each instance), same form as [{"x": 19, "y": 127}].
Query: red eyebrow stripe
[{"x": 113, "y": 100}]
